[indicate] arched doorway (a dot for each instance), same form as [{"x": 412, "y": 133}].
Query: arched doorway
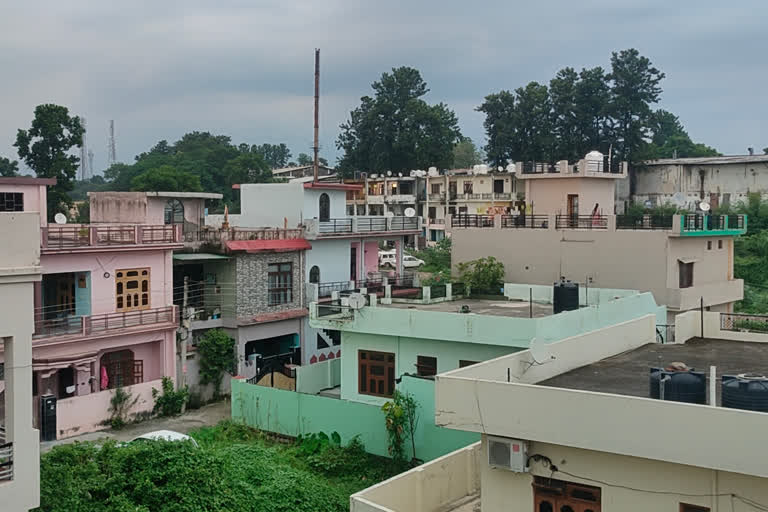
[
  {"x": 325, "y": 207},
  {"x": 174, "y": 212},
  {"x": 314, "y": 274}
]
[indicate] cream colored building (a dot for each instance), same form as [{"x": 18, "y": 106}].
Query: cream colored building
[
  {"x": 572, "y": 429},
  {"x": 19, "y": 442}
]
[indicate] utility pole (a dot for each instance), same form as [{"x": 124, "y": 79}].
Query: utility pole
[
  {"x": 185, "y": 322},
  {"x": 111, "y": 150},
  {"x": 83, "y": 154},
  {"x": 316, "y": 147}
]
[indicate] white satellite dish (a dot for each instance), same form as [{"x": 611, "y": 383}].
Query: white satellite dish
[
  {"x": 540, "y": 351},
  {"x": 678, "y": 199},
  {"x": 501, "y": 169},
  {"x": 704, "y": 206},
  {"x": 409, "y": 212},
  {"x": 400, "y": 174},
  {"x": 389, "y": 173},
  {"x": 432, "y": 169},
  {"x": 356, "y": 301},
  {"x": 60, "y": 218},
  {"x": 511, "y": 168}
]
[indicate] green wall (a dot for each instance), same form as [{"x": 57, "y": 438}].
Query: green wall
[
  {"x": 316, "y": 377},
  {"x": 291, "y": 413}
]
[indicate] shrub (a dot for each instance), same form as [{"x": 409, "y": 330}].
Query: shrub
[
  {"x": 120, "y": 404},
  {"x": 484, "y": 275},
  {"x": 169, "y": 402},
  {"x": 402, "y": 419},
  {"x": 217, "y": 356}
]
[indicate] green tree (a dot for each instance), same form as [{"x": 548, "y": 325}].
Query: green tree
[
  {"x": 592, "y": 98},
  {"x": 483, "y": 275},
  {"x": 217, "y": 355},
  {"x": 8, "y": 168},
  {"x": 670, "y": 140},
  {"x": 305, "y": 159},
  {"x": 396, "y": 129},
  {"x": 275, "y": 155},
  {"x": 635, "y": 86},
  {"x": 466, "y": 154},
  {"x": 166, "y": 179},
  {"x": 45, "y": 149},
  {"x": 765, "y": 150}
]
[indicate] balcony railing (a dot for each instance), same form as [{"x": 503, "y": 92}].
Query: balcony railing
[
  {"x": 663, "y": 222},
  {"x": 504, "y": 196},
  {"x": 326, "y": 289},
  {"x": 437, "y": 221},
  {"x": 366, "y": 224},
  {"x": 437, "y": 197},
  {"x": 219, "y": 235},
  {"x": 525, "y": 221},
  {"x": 59, "y": 237},
  {"x": 336, "y": 226},
  {"x": 94, "y": 324},
  {"x": 581, "y": 222},
  {"x": 745, "y": 323},
  {"x": 6, "y": 457},
  {"x": 472, "y": 221},
  {"x": 703, "y": 223}
]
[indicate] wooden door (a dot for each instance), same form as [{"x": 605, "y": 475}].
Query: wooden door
[{"x": 573, "y": 205}]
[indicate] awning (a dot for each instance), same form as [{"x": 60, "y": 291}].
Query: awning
[
  {"x": 198, "y": 256},
  {"x": 256, "y": 246},
  {"x": 687, "y": 260}
]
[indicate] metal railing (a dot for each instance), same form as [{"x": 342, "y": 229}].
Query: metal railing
[
  {"x": 697, "y": 222},
  {"x": 6, "y": 457},
  {"x": 581, "y": 222},
  {"x": 86, "y": 325},
  {"x": 665, "y": 333},
  {"x": 458, "y": 289},
  {"x": 539, "y": 168},
  {"x": 735, "y": 221},
  {"x": 502, "y": 195},
  {"x": 336, "y": 226},
  {"x": 219, "y": 235},
  {"x": 438, "y": 291},
  {"x": 75, "y": 236},
  {"x": 404, "y": 223},
  {"x": 367, "y": 224},
  {"x": 663, "y": 222},
  {"x": 436, "y": 221},
  {"x": 326, "y": 289},
  {"x": 372, "y": 284},
  {"x": 437, "y": 197},
  {"x": 464, "y": 220},
  {"x": 333, "y": 309},
  {"x": 525, "y": 221},
  {"x": 743, "y": 322},
  {"x": 276, "y": 363}
]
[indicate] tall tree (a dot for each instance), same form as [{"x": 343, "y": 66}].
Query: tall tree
[
  {"x": 45, "y": 149},
  {"x": 634, "y": 88},
  {"x": 305, "y": 159},
  {"x": 397, "y": 129},
  {"x": 166, "y": 179},
  {"x": 466, "y": 154},
  {"x": 562, "y": 91},
  {"x": 8, "y": 168},
  {"x": 275, "y": 155},
  {"x": 500, "y": 125},
  {"x": 592, "y": 99}
]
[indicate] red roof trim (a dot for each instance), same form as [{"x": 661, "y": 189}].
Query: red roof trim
[
  {"x": 257, "y": 246},
  {"x": 333, "y": 186},
  {"x": 236, "y": 186}
]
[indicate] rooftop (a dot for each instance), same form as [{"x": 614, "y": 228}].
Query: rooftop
[
  {"x": 710, "y": 160},
  {"x": 186, "y": 195},
  {"x": 284, "y": 170},
  {"x": 627, "y": 373},
  {"x": 495, "y": 307},
  {"x": 26, "y": 180}
]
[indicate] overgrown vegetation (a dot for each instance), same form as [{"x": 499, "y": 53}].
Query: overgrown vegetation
[
  {"x": 751, "y": 325},
  {"x": 483, "y": 275},
  {"x": 217, "y": 356},
  {"x": 235, "y": 468},
  {"x": 401, "y": 415},
  {"x": 437, "y": 262},
  {"x": 169, "y": 402},
  {"x": 120, "y": 404}
]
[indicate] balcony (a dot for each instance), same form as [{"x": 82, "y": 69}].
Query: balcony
[
  {"x": 472, "y": 221},
  {"x": 6, "y": 457},
  {"x": 720, "y": 292},
  {"x": 218, "y": 236},
  {"x": 106, "y": 323},
  {"x": 349, "y": 226},
  {"x": 712, "y": 225},
  {"x": 437, "y": 197},
  {"x": 502, "y": 196},
  {"x": 375, "y": 199},
  {"x": 590, "y": 168},
  {"x": 105, "y": 237},
  {"x": 401, "y": 198},
  {"x": 581, "y": 222}
]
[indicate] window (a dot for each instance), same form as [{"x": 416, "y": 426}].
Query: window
[
  {"x": 314, "y": 274},
  {"x": 376, "y": 373},
  {"x": 426, "y": 366},
  {"x": 709, "y": 245},
  {"x": 121, "y": 369},
  {"x": 11, "y": 202},
  {"x": 132, "y": 289},
  {"x": 685, "y": 507},
  {"x": 174, "y": 212},
  {"x": 463, "y": 363},
  {"x": 280, "y": 283},
  {"x": 719, "y": 244},
  {"x": 435, "y": 188},
  {"x": 321, "y": 343},
  {"x": 550, "y": 495},
  {"x": 467, "y": 187},
  {"x": 325, "y": 207},
  {"x": 432, "y": 213},
  {"x": 686, "y": 274}
]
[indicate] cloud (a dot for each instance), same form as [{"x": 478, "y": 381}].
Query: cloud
[{"x": 244, "y": 68}]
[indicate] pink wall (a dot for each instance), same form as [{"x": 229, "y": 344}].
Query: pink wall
[
  {"x": 371, "y": 257},
  {"x": 118, "y": 207},
  {"x": 193, "y": 209},
  {"x": 35, "y": 197},
  {"x": 103, "y": 288},
  {"x": 82, "y": 414}
]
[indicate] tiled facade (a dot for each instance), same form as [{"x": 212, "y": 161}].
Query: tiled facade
[{"x": 251, "y": 269}]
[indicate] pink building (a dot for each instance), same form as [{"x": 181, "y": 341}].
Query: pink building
[{"x": 104, "y": 314}]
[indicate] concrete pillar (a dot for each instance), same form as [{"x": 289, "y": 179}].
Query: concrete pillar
[
  {"x": 373, "y": 300},
  {"x": 426, "y": 294},
  {"x": 449, "y": 291}
]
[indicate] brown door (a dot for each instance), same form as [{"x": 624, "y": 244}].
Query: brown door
[{"x": 573, "y": 205}]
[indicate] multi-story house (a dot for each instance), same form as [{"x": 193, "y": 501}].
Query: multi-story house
[
  {"x": 19, "y": 275},
  {"x": 568, "y": 229},
  {"x": 103, "y": 314}
]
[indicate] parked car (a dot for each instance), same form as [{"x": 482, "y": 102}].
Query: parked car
[
  {"x": 411, "y": 261},
  {"x": 163, "y": 435},
  {"x": 387, "y": 259}
]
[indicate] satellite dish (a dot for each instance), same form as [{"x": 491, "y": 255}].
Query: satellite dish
[
  {"x": 60, "y": 218},
  {"x": 511, "y": 168},
  {"x": 678, "y": 199},
  {"x": 389, "y": 173},
  {"x": 356, "y": 301},
  {"x": 501, "y": 169},
  {"x": 400, "y": 174},
  {"x": 704, "y": 206},
  {"x": 409, "y": 212},
  {"x": 540, "y": 351},
  {"x": 648, "y": 203}
]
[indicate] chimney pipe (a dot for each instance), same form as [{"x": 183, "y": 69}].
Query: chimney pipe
[{"x": 317, "y": 111}]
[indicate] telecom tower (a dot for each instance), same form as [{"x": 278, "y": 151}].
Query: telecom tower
[
  {"x": 90, "y": 163},
  {"x": 111, "y": 151},
  {"x": 83, "y": 155}
]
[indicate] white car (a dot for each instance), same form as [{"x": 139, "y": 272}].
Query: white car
[
  {"x": 387, "y": 258},
  {"x": 164, "y": 435},
  {"x": 411, "y": 261}
]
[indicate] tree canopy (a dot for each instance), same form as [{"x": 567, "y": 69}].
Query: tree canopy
[
  {"x": 466, "y": 154},
  {"x": 582, "y": 111},
  {"x": 45, "y": 149},
  {"x": 8, "y": 168},
  {"x": 397, "y": 129}
]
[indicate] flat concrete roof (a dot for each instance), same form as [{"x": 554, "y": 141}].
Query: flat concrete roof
[
  {"x": 497, "y": 307},
  {"x": 186, "y": 195},
  {"x": 628, "y": 373}
]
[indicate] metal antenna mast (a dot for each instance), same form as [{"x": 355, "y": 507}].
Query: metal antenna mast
[
  {"x": 316, "y": 147},
  {"x": 90, "y": 163},
  {"x": 112, "y": 152},
  {"x": 83, "y": 154}
]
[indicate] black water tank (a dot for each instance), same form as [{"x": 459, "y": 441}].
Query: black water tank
[
  {"x": 565, "y": 296},
  {"x": 745, "y": 391},
  {"x": 47, "y": 418},
  {"x": 682, "y": 386}
]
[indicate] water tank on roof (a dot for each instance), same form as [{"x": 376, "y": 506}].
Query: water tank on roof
[
  {"x": 565, "y": 296},
  {"x": 745, "y": 391},
  {"x": 681, "y": 384}
]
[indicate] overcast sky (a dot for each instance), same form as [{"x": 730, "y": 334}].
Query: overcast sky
[{"x": 244, "y": 68}]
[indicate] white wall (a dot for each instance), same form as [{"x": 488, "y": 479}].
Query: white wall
[
  {"x": 269, "y": 204},
  {"x": 333, "y": 258},
  {"x": 312, "y": 203}
]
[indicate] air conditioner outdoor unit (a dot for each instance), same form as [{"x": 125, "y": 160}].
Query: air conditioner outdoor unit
[{"x": 509, "y": 454}]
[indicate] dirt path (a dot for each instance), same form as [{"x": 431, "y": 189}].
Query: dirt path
[{"x": 207, "y": 415}]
